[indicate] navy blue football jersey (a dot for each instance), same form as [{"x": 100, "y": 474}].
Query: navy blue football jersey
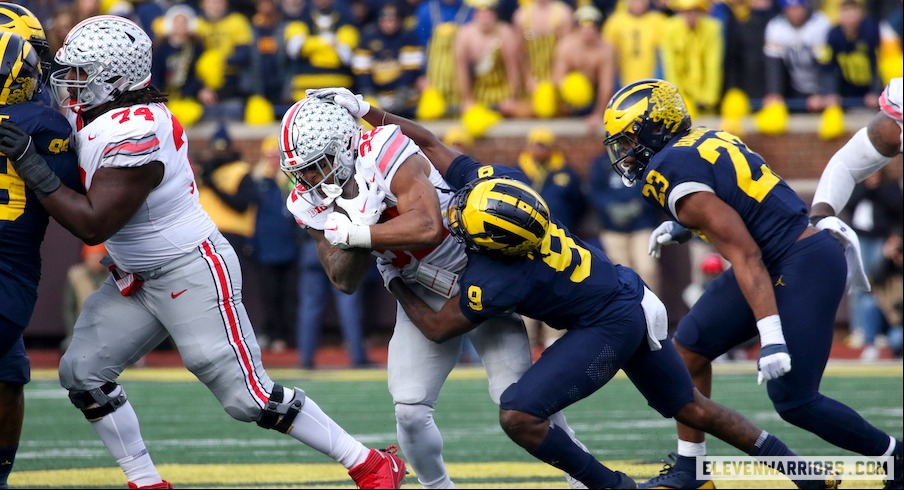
[
  {"x": 23, "y": 220},
  {"x": 567, "y": 283},
  {"x": 719, "y": 162}
]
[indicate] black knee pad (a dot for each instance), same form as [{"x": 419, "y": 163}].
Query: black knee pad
[
  {"x": 279, "y": 415},
  {"x": 106, "y": 404}
]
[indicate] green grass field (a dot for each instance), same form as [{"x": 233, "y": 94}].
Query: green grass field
[{"x": 197, "y": 445}]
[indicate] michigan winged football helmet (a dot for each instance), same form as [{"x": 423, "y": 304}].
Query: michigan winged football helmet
[
  {"x": 499, "y": 216},
  {"x": 20, "y": 69},
  {"x": 318, "y": 142},
  {"x": 640, "y": 120},
  {"x": 114, "y": 53},
  {"x": 18, "y": 19}
]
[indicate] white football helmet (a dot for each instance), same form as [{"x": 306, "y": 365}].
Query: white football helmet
[
  {"x": 318, "y": 135},
  {"x": 114, "y": 53}
]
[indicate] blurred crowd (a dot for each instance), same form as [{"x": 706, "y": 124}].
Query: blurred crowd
[{"x": 484, "y": 60}]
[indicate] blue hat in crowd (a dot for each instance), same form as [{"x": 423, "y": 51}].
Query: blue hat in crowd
[
  {"x": 220, "y": 139},
  {"x": 791, "y": 3}
]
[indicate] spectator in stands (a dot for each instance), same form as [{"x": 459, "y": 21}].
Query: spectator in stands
[
  {"x": 268, "y": 53},
  {"x": 86, "y": 8},
  {"x": 851, "y": 64},
  {"x": 145, "y": 13},
  {"x": 313, "y": 288},
  {"x": 275, "y": 245},
  {"x": 550, "y": 175},
  {"x": 228, "y": 194},
  {"x": 486, "y": 60},
  {"x": 876, "y": 208},
  {"x": 793, "y": 42},
  {"x": 636, "y": 34},
  {"x": 745, "y": 33},
  {"x": 693, "y": 56},
  {"x": 319, "y": 47},
  {"x": 292, "y": 10},
  {"x": 539, "y": 25},
  {"x": 625, "y": 221},
  {"x": 82, "y": 279},
  {"x": 175, "y": 60},
  {"x": 438, "y": 22},
  {"x": 64, "y": 19},
  {"x": 223, "y": 67},
  {"x": 585, "y": 63},
  {"x": 887, "y": 286},
  {"x": 388, "y": 62}
]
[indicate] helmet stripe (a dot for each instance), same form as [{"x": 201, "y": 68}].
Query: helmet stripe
[{"x": 286, "y": 137}]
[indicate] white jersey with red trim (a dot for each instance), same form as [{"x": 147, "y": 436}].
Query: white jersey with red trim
[
  {"x": 891, "y": 104},
  {"x": 381, "y": 152},
  {"x": 171, "y": 221}
]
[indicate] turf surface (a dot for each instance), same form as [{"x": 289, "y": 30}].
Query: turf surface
[{"x": 196, "y": 444}]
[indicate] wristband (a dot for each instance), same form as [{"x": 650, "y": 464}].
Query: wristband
[
  {"x": 359, "y": 236},
  {"x": 816, "y": 219},
  {"x": 770, "y": 329},
  {"x": 38, "y": 175}
]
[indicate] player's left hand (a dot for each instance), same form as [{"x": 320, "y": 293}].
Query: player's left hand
[
  {"x": 367, "y": 207},
  {"x": 667, "y": 233},
  {"x": 15, "y": 143},
  {"x": 342, "y": 233},
  {"x": 19, "y": 148},
  {"x": 774, "y": 362},
  {"x": 387, "y": 271},
  {"x": 353, "y": 103}
]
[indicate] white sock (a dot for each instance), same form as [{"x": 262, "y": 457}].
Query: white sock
[
  {"x": 120, "y": 432},
  {"x": 691, "y": 449},
  {"x": 891, "y": 446},
  {"x": 316, "y": 429},
  {"x": 422, "y": 444}
]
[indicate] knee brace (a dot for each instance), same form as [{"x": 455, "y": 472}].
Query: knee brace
[
  {"x": 279, "y": 415},
  {"x": 101, "y": 397}
]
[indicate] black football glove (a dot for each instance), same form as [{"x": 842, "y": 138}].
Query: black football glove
[
  {"x": 19, "y": 148},
  {"x": 14, "y": 142}
]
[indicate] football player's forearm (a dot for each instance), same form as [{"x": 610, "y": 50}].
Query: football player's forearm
[
  {"x": 348, "y": 268},
  {"x": 419, "y": 134},
  {"x": 423, "y": 317}
]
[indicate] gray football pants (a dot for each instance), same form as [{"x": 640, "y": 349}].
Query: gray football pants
[{"x": 196, "y": 299}]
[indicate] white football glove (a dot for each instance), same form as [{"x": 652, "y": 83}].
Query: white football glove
[
  {"x": 367, "y": 207},
  {"x": 353, "y": 103},
  {"x": 665, "y": 234},
  {"x": 342, "y": 233},
  {"x": 856, "y": 275},
  {"x": 387, "y": 271},
  {"x": 774, "y": 362}
]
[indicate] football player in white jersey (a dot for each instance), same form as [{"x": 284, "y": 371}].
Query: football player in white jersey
[
  {"x": 870, "y": 149},
  {"x": 395, "y": 215},
  {"x": 172, "y": 272}
]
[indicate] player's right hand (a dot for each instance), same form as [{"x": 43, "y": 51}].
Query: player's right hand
[
  {"x": 367, "y": 207},
  {"x": 353, "y": 103},
  {"x": 388, "y": 271},
  {"x": 665, "y": 234},
  {"x": 774, "y": 362},
  {"x": 14, "y": 143}
]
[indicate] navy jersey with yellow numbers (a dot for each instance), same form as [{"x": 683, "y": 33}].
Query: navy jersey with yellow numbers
[
  {"x": 23, "y": 220},
  {"x": 715, "y": 161},
  {"x": 568, "y": 284}
]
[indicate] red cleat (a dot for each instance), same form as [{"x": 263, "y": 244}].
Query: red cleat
[
  {"x": 163, "y": 484},
  {"x": 381, "y": 469}
]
